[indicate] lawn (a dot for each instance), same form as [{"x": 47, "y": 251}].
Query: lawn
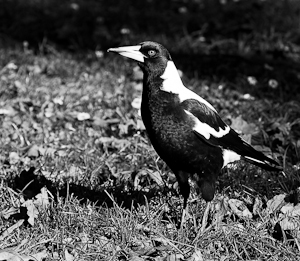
[{"x": 80, "y": 180}]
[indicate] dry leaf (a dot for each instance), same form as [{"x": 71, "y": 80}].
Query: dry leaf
[
  {"x": 40, "y": 256},
  {"x": 74, "y": 172},
  {"x": 175, "y": 257},
  {"x": 156, "y": 176},
  {"x": 220, "y": 210},
  {"x": 68, "y": 256},
  {"x": 257, "y": 207},
  {"x": 291, "y": 210},
  {"x": 33, "y": 151},
  {"x": 9, "y": 212},
  {"x": 11, "y": 229},
  {"x": 32, "y": 211},
  {"x": 238, "y": 207},
  {"x": 275, "y": 203},
  {"x": 10, "y": 256},
  {"x": 242, "y": 126},
  {"x": 42, "y": 199},
  {"x": 196, "y": 256},
  {"x": 82, "y": 116},
  {"x": 13, "y": 158},
  {"x": 290, "y": 223}
]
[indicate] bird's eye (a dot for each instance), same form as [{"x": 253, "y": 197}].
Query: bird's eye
[{"x": 151, "y": 53}]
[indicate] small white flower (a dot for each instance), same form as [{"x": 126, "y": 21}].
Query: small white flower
[
  {"x": 59, "y": 100},
  {"x": 273, "y": 83},
  {"x": 99, "y": 54},
  {"x": 11, "y": 66},
  {"x": 182, "y": 10},
  {"x": 74, "y": 6},
  {"x": 252, "y": 80},
  {"x": 248, "y": 96},
  {"x": 125, "y": 31},
  {"x": 82, "y": 116}
]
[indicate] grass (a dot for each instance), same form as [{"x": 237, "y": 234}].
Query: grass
[{"x": 68, "y": 124}]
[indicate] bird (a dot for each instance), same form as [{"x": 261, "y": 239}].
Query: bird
[{"x": 185, "y": 130}]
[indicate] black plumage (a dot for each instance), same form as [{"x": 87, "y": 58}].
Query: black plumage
[{"x": 184, "y": 129}]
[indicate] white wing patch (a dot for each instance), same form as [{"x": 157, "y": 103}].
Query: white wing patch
[
  {"x": 172, "y": 83},
  {"x": 230, "y": 156},
  {"x": 205, "y": 130}
]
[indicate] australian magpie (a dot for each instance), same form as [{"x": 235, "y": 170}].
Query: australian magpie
[{"x": 185, "y": 130}]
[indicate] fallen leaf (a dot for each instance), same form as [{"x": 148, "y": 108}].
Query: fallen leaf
[
  {"x": 290, "y": 223},
  {"x": 196, "y": 256},
  {"x": 239, "y": 208},
  {"x": 32, "y": 211},
  {"x": 42, "y": 199},
  {"x": 174, "y": 257},
  {"x": 7, "y": 111},
  {"x": 9, "y": 255},
  {"x": 291, "y": 210},
  {"x": 74, "y": 172},
  {"x": 82, "y": 116},
  {"x": 40, "y": 255},
  {"x": 257, "y": 206},
  {"x": 220, "y": 210},
  {"x": 241, "y": 126},
  {"x": 33, "y": 151},
  {"x": 13, "y": 158},
  {"x": 68, "y": 256},
  {"x": 9, "y": 212},
  {"x": 156, "y": 176},
  {"x": 11, "y": 66},
  {"x": 8, "y": 231},
  {"x": 275, "y": 203}
]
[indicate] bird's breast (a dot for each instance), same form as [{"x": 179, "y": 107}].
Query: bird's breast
[{"x": 170, "y": 131}]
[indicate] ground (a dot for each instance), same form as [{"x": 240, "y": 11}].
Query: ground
[{"x": 80, "y": 180}]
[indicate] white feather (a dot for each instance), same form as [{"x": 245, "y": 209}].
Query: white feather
[
  {"x": 230, "y": 156},
  {"x": 259, "y": 161},
  {"x": 172, "y": 83},
  {"x": 205, "y": 130}
]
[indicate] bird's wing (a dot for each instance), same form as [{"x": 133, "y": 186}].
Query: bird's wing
[
  {"x": 210, "y": 128},
  {"x": 208, "y": 125}
]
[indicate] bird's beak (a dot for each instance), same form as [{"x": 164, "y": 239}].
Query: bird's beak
[{"x": 132, "y": 52}]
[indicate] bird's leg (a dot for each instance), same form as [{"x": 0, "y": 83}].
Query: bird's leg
[
  {"x": 184, "y": 212},
  {"x": 183, "y": 181},
  {"x": 205, "y": 216},
  {"x": 208, "y": 191}
]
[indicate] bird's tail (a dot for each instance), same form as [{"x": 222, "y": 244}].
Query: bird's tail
[{"x": 264, "y": 162}]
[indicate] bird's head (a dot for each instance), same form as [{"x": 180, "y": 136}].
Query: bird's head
[{"x": 152, "y": 57}]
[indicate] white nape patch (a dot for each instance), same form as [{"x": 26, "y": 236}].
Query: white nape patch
[
  {"x": 172, "y": 83},
  {"x": 205, "y": 130},
  {"x": 230, "y": 156}
]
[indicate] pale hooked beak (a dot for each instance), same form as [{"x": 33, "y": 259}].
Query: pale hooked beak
[{"x": 132, "y": 52}]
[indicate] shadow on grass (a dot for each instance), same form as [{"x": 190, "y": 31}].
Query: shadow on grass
[{"x": 30, "y": 184}]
